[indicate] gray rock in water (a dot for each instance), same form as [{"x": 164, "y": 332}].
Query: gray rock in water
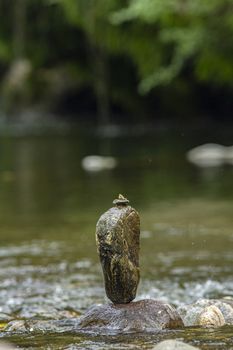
[
  {"x": 117, "y": 237},
  {"x": 141, "y": 316},
  {"x": 211, "y": 316},
  {"x": 208, "y": 313},
  {"x": 5, "y": 317},
  {"x": 6, "y": 346},
  {"x": 207, "y": 155},
  {"x": 98, "y": 163},
  {"x": 33, "y": 326},
  {"x": 173, "y": 345}
]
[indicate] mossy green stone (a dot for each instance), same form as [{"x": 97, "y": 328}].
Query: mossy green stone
[{"x": 117, "y": 236}]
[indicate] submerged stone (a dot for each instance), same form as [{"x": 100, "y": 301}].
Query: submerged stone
[
  {"x": 6, "y": 346},
  {"x": 211, "y": 316},
  {"x": 208, "y": 313},
  {"x": 117, "y": 237},
  {"x": 141, "y": 316},
  {"x": 33, "y": 326},
  {"x": 173, "y": 345}
]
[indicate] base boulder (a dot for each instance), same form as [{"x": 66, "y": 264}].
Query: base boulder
[{"x": 140, "y": 316}]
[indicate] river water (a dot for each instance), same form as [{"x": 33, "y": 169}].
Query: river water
[{"x": 49, "y": 268}]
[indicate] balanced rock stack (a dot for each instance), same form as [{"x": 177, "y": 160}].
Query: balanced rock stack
[{"x": 117, "y": 237}]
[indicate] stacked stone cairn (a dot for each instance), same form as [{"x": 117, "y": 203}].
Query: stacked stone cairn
[{"x": 118, "y": 243}]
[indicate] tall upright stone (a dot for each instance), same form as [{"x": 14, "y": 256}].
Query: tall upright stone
[{"x": 117, "y": 237}]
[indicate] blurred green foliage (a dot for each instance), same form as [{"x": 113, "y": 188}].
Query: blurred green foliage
[
  {"x": 199, "y": 32},
  {"x": 131, "y": 46}
]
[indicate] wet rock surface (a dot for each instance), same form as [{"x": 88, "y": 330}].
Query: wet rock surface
[
  {"x": 141, "y": 316},
  {"x": 211, "y": 316},
  {"x": 6, "y": 346},
  {"x": 208, "y": 313},
  {"x": 117, "y": 236},
  {"x": 41, "y": 326},
  {"x": 173, "y": 345}
]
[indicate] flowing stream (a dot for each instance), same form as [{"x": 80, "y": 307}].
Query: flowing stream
[{"x": 49, "y": 206}]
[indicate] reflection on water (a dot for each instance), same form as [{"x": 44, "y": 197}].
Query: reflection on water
[{"x": 49, "y": 206}]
